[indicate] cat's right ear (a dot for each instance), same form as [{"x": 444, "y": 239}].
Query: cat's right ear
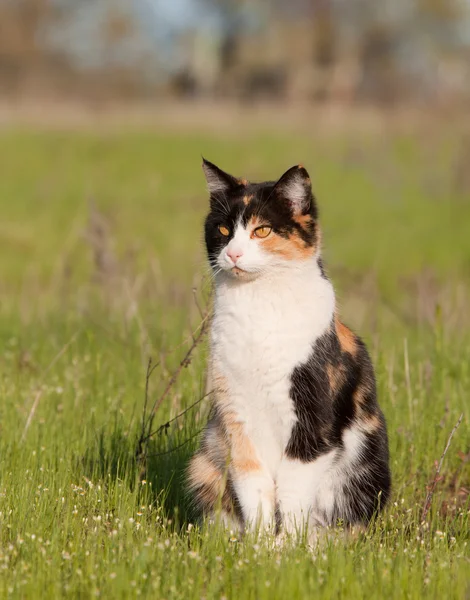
[{"x": 218, "y": 182}]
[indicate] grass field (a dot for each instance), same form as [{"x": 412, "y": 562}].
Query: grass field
[{"x": 100, "y": 251}]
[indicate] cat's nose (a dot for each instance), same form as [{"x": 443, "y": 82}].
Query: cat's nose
[{"x": 234, "y": 254}]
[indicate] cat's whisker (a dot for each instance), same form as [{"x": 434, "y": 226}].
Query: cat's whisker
[{"x": 221, "y": 200}]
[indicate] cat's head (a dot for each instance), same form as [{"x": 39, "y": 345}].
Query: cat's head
[{"x": 255, "y": 228}]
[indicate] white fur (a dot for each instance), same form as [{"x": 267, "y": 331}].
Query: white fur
[
  {"x": 255, "y": 492},
  {"x": 264, "y": 327},
  {"x": 307, "y": 491},
  {"x": 295, "y": 191},
  {"x": 253, "y": 260}
]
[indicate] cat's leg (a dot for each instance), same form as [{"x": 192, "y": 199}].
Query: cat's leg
[
  {"x": 227, "y": 478},
  {"x": 252, "y": 482},
  {"x": 226, "y": 520},
  {"x": 214, "y": 498},
  {"x": 305, "y": 492},
  {"x": 254, "y": 488}
]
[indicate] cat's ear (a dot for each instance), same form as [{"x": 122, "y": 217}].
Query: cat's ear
[
  {"x": 295, "y": 187},
  {"x": 218, "y": 182}
]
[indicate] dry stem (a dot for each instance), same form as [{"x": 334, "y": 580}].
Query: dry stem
[
  {"x": 147, "y": 420},
  {"x": 432, "y": 487}
]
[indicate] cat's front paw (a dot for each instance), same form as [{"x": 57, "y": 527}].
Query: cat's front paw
[
  {"x": 227, "y": 522},
  {"x": 259, "y": 523}
]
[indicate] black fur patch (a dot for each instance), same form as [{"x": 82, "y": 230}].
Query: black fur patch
[
  {"x": 324, "y": 413},
  {"x": 368, "y": 488}
]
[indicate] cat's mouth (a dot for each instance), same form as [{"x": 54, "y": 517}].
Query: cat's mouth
[{"x": 241, "y": 274}]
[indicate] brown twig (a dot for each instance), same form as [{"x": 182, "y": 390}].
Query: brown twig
[
  {"x": 175, "y": 448},
  {"x": 150, "y": 369},
  {"x": 147, "y": 419},
  {"x": 181, "y": 414},
  {"x": 183, "y": 364},
  {"x": 432, "y": 487},
  {"x": 202, "y": 314}
]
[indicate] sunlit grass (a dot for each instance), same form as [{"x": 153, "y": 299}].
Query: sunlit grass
[{"x": 100, "y": 249}]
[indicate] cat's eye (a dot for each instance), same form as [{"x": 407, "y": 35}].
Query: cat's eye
[
  {"x": 262, "y": 232},
  {"x": 224, "y": 230}
]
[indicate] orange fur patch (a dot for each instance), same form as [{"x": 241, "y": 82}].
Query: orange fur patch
[
  {"x": 247, "y": 199},
  {"x": 303, "y": 220},
  {"x": 347, "y": 339},
  {"x": 243, "y": 181},
  {"x": 203, "y": 472},
  {"x": 360, "y": 394},
  {"x": 370, "y": 423},
  {"x": 335, "y": 377},
  {"x": 291, "y": 248},
  {"x": 254, "y": 223},
  {"x": 242, "y": 454},
  {"x": 208, "y": 483}
]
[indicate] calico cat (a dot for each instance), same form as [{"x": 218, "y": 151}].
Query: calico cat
[{"x": 296, "y": 438}]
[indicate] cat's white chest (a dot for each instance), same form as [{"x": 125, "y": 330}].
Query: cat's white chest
[{"x": 261, "y": 331}]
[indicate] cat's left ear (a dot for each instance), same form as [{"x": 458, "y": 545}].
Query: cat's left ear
[
  {"x": 295, "y": 187},
  {"x": 218, "y": 181}
]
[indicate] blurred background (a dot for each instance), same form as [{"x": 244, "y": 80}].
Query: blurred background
[
  {"x": 385, "y": 52},
  {"x": 107, "y": 105}
]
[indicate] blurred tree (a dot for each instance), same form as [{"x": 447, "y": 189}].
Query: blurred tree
[
  {"x": 379, "y": 67},
  {"x": 442, "y": 10},
  {"x": 247, "y": 48},
  {"x": 324, "y": 47},
  {"x": 21, "y": 51},
  {"x": 324, "y": 31},
  {"x": 398, "y": 44},
  {"x": 117, "y": 27},
  {"x": 118, "y": 33}
]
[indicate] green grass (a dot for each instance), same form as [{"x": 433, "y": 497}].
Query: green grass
[{"x": 100, "y": 249}]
